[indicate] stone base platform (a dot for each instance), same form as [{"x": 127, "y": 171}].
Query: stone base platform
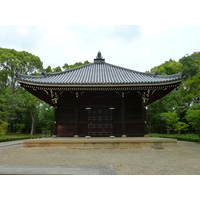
[{"x": 101, "y": 143}]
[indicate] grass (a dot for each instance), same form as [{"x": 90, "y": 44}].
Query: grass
[
  {"x": 12, "y": 137},
  {"x": 185, "y": 137}
]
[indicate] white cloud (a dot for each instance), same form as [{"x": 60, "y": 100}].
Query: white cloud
[
  {"x": 151, "y": 31},
  {"x": 136, "y": 47}
]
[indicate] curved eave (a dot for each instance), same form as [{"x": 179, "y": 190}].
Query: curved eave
[{"x": 99, "y": 85}]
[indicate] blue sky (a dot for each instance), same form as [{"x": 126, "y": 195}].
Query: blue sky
[{"x": 63, "y": 33}]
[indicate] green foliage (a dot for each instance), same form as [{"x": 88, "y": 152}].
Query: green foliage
[
  {"x": 191, "y": 64},
  {"x": 181, "y": 126},
  {"x": 57, "y": 69},
  {"x": 3, "y": 126},
  {"x": 32, "y": 104},
  {"x": 48, "y": 69},
  {"x": 45, "y": 117},
  {"x": 187, "y": 137},
  {"x": 171, "y": 119},
  {"x": 10, "y": 103},
  {"x": 8, "y": 138},
  {"x": 19, "y": 128},
  {"x": 168, "y": 68},
  {"x": 13, "y": 62},
  {"x": 193, "y": 115},
  {"x": 181, "y": 99},
  {"x": 192, "y": 88},
  {"x": 78, "y": 64}
]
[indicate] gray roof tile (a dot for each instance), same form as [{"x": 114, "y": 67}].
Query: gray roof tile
[{"x": 98, "y": 74}]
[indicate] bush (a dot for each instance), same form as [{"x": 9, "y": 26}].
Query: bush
[
  {"x": 3, "y": 126},
  {"x": 14, "y": 137},
  {"x": 187, "y": 137}
]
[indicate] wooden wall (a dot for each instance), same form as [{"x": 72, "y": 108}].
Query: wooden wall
[{"x": 128, "y": 117}]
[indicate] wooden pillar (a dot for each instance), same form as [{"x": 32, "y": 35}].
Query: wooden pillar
[
  {"x": 144, "y": 119},
  {"x": 55, "y": 120},
  {"x": 123, "y": 114},
  {"x": 76, "y": 116}
]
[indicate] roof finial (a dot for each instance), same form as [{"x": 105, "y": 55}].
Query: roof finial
[{"x": 99, "y": 58}]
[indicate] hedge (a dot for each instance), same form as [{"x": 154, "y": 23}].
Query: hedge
[
  {"x": 188, "y": 137},
  {"x": 7, "y": 139}
]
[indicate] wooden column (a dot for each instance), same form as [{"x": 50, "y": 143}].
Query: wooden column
[
  {"x": 76, "y": 113},
  {"x": 55, "y": 121},
  {"x": 123, "y": 114},
  {"x": 144, "y": 119},
  {"x": 76, "y": 116}
]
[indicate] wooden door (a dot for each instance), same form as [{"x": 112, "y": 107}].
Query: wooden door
[{"x": 100, "y": 122}]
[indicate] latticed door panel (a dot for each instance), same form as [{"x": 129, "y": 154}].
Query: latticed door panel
[{"x": 100, "y": 122}]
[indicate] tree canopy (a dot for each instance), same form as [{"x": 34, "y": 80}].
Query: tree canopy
[{"x": 13, "y": 62}]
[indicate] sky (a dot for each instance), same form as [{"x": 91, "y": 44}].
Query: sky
[{"x": 137, "y": 47}]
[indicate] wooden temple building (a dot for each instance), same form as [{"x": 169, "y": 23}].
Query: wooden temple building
[{"x": 99, "y": 99}]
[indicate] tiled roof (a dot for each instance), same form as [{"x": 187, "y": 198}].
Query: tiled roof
[{"x": 98, "y": 73}]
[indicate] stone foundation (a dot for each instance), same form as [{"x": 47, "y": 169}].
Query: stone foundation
[{"x": 101, "y": 143}]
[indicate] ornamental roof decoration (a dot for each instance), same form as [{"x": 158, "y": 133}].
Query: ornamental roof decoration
[
  {"x": 99, "y": 73},
  {"x": 99, "y": 56}
]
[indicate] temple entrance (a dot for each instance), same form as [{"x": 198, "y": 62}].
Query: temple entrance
[{"x": 100, "y": 122}]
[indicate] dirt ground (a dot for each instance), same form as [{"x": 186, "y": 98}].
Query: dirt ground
[{"x": 183, "y": 159}]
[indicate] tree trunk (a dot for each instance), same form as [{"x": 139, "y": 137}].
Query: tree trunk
[
  {"x": 33, "y": 118},
  {"x": 168, "y": 130}
]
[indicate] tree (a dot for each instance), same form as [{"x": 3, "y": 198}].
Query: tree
[
  {"x": 57, "y": 69},
  {"x": 19, "y": 127},
  {"x": 168, "y": 68},
  {"x": 45, "y": 117},
  {"x": 181, "y": 126},
  {"x": 13, "y": 62},
  {"x": 171, "y": 119},
  {"x": 193, "y": 117},
  {"x": 154, "y": 122},
  {"x": 78, "y": 64},
  {"x": 192, "y": 88},
  {"x": 32, "y": 104},
  {"x": 180, "y": 99},
  {"x": 3, "y": 126},
  {"x": 48, "y": 69},
  {"x": 191, "y": 64},
  {"x": 10, "y": 104}
]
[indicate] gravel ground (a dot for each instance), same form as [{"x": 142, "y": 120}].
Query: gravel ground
[{"x": 183, "y": 159}]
